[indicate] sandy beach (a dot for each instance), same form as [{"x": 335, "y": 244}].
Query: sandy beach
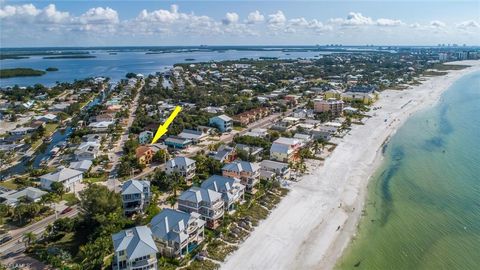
[{"x": 314, "y": 223}]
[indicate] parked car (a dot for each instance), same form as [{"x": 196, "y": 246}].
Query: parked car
[
  {"x": 5, "y": 238},
  {"x": 66, "y": 210}
]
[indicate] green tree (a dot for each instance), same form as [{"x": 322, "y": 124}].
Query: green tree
[
  {"x": 97, "y": 202},
  {"x": 29, "y": 238},
  {"x": 58, "y": 188}
]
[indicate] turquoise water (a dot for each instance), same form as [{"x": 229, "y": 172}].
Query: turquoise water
[{"x": 423, "y": 208}]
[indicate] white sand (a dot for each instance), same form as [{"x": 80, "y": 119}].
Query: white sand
[{"x": 301, "y": 233}]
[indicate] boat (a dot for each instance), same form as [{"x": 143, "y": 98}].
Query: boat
[
  {"x": 47, "y": 140},
  {"x": 54, "y": 151}
]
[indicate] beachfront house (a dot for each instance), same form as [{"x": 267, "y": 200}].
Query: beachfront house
[
  {"x": 231, "y": 189},
  {"x": 134, "y": 249},
  {"x": 247, "y": 172},
  {"x": 144, "y": 154},
  {"x": 279, "y": 169},
  {"x": 285, "y": 149},
  {"x": 177, "y": 233},
  {"x": 208, "y": 203}
]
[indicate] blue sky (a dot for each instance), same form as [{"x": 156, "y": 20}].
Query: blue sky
[{"x": 109, "y": 23}]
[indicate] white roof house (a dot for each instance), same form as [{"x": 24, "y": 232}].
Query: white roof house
[{"x": 68, "y": 177}]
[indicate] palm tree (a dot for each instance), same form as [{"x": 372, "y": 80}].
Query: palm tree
[{"x": 29, "y": 238}]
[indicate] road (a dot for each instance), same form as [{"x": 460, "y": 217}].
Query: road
[
  {"x": 116, "y": 154},
  {"x": 37, "y": 228}
]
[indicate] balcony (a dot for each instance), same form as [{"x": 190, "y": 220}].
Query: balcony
[{"x": 142, "y": 263}]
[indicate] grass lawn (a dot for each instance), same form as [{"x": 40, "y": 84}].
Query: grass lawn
[
  {"x": 70, "y": 198},
  {"x": 96, "y": 179},
  {"x": 8, "y": 184},
  {"x": 237, "y": 128},
  {"x": 50, "y": 128}
]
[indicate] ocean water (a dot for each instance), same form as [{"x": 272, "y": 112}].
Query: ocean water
[
  {"x": 423, "y": 206},
  {"x": 117, "y": 65}
]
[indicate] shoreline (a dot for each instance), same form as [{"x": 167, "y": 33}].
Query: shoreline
[{"x": 314, "y": 224}]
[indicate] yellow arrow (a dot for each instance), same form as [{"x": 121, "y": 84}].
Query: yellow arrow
[{"x": 162, "y": 129}]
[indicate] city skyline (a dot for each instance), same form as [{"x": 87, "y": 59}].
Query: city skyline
[{"x": 164, "y": 23}]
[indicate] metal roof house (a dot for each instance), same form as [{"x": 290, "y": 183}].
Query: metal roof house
[
  {"x": 68, "y": 177},
  {"x": 231, "y": 189},
  {"x": 176, "y": 233},
  {"x": 247, "y": 172},
  {"x": 208, "y": 203},
  {"x": 13, "y": 197},
  {"x": 182, "y": 165},
  {"x": 136, "y": 196},
  {"x": 134, "y": 249}
]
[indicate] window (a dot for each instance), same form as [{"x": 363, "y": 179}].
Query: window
[{"x": 121, "y": 253}]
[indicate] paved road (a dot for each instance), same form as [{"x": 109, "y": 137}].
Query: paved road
[
  {"x": 116, "y": 154},
  {"x": 37, "y": 228}
]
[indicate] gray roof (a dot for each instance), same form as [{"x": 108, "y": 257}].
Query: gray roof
[
  {"x": 61, "y": 175},
  {"x": 134, "y": 186},
  {"x": 279, "y": 148},
  {"x": 31, "y": 193},
  {"x": 180, "y": 161},
  {"x": 223, "y": 117},
  {"x": 197, "y": 195},
  {"x": 191, "y": 134},
  {"x": 170, "y": 224},
  {"x": 222, "y": 184},
  {"x": 83, "y": 165},
  {"x": 273, "y": 164},
  {"x": 222, "y": 153},
  {"x": 241, "y": 166},
  {"x": 137, "y": 242}
]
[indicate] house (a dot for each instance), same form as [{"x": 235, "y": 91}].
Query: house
[
  {"x": 257, "y": 132},
  {"x": 333, "y": 106},
  {"x": 305, "y": 138},
  {"x": 177, "y": 233},
  {"x": 144, "y": 154},
  {"x": 231, "y": 189},
  {"x": 208, "y": 203},
  {"x": 47, "y": 118},
  {"x": 100, "y": 126},
  {"x": 134, "y": 249},
  {"x": 68, "y": 177},
  {"x": 177, "y": 142},
  {"x": 83, "y": 165},
  {"x": 303, "y": 113},
  {"x": 225, "y": 154},
  {"x": 13, "y": 197},
  {"x": 87, "y": 151},
  {"x": 285, "y": 149},
  {"x": 252, "y": 151},
  {"x": 21, "y": 131},
  {"x": 145, "y": 137},
  {"x": 136, "y": 196},
  {"x": 93, "y": 138},
  {"x": 278, "y": 168},
  {"x": 105, "y": 117},
  {"x": 182, "y": 165},
  {"x": 247, "y": 172},
  {"x": 222, "y": 123},
  {"x": 194, "y": 135}
]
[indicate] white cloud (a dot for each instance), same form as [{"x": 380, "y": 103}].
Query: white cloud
[
  {"x": 437, "y": 24},
  {"x": 353, "y": 19},
  {"x": 230, "y": 18},
  {"x": 388, "y": 22},
  {"x": 255, "y": 17},
  {"x": 277, "y": 18},
  {"x": 162, "y": 15},
  {"x": 468, "y": 24},
  {"x": 99, "y": 15}
]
